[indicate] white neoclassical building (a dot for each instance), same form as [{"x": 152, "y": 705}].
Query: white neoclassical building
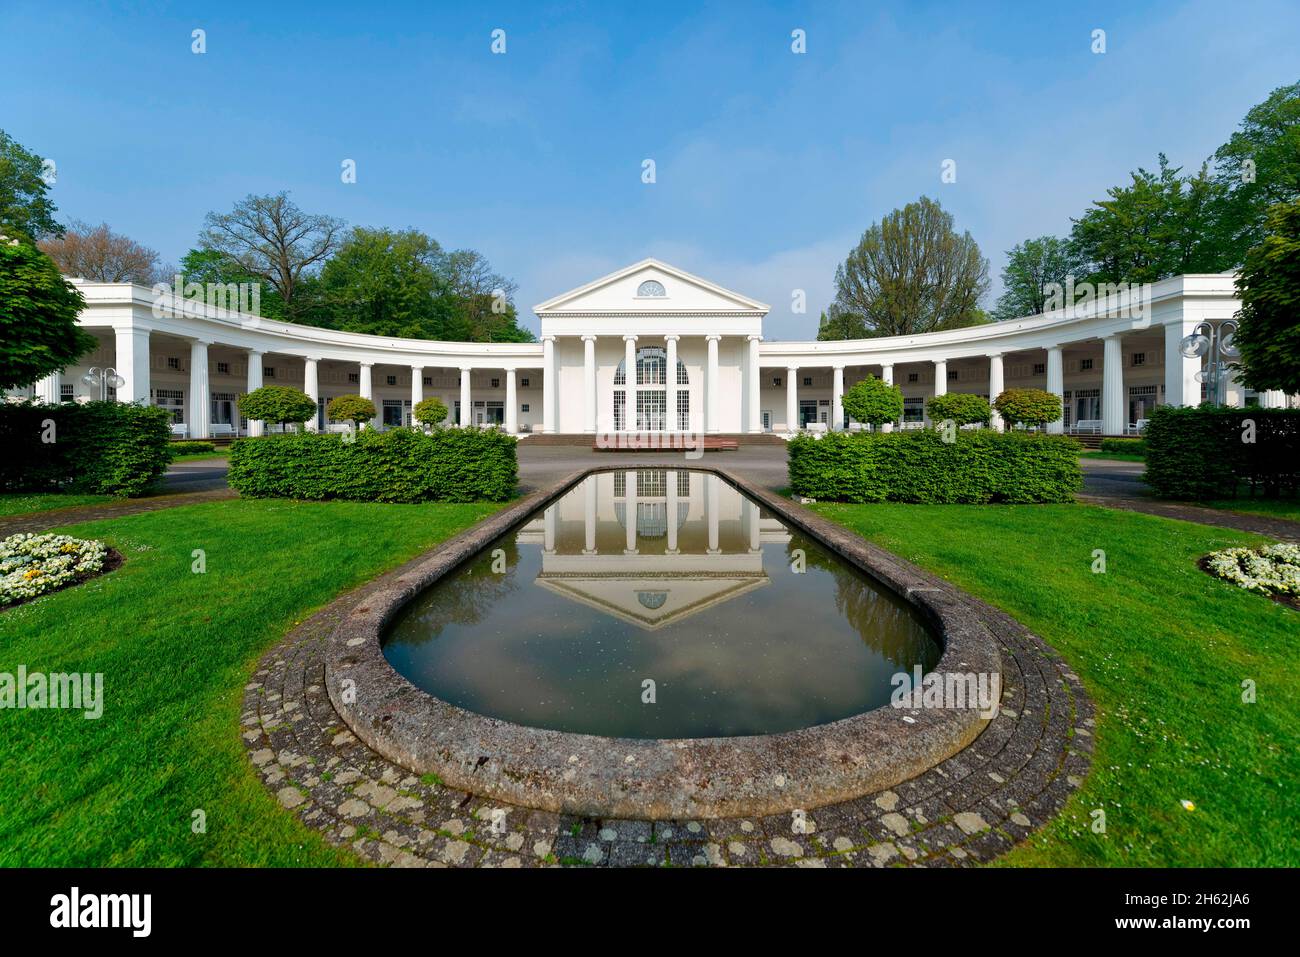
[{"x": 649, "y": 348}]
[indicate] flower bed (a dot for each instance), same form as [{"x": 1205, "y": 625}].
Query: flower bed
[
  {"x": 1273, "y": 570},
  {"x": 31, "y": 565}
]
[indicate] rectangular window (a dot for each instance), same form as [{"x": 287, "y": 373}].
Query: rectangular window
[
  {"x": 914, "y": 377},
  {"x": 1138, "y": 358},
  {"x": 1040, "y": 368},
  {"x": 650, "y": 368},
  {"x": 952, "y": 375},
  {"x": 1085, "y": 365},
  {"x": 223, "y": 408},
  {"x": 1087, "y": 404},
  {"x": 428, "y": 380},
  {"x": 620, "y": 410},
  {"x": 66, "y": 392},
  {"x": 173, "y": 400},
  {"x": 767, "y": 420},
  {"x": 524, "y": 382},
  {"x": 652, "y": 483},
  {"x": 496, "y": 383},
  {"x": 807, "y": 412},
  {"x": 683, "y": 411},
  {"x": 268, "y": 372},
  {"x": 650, "y": 410},
  {"x": 776, "y": 381},
  {"x": 223, "y": 368},
  {"x": 914, "y": 409},
  {"x": 392, "y": 412},
  {"x": 173, "y": 362},
  {"x": 391, "y": 379},
  {"x": 354, "y": 377},
  {"x": 807, "y": 380},
  {"x": 524, "y": 407}
]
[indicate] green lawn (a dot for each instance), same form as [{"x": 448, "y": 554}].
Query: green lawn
[
  {"x": 176, "y": 649},
  {"x": 1113, "y": 456},
  {"x": 1163, "y": 650},
  {"x": 1273, "y": 508},
  {"x": 18, "y": 504},
  {"x": 199, "y": 456}
]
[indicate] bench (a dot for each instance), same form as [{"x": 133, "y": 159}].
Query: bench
[{"x": 221, "y": 430}]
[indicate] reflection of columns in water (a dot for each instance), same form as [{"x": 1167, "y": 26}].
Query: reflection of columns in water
[
  {"x": 548, "y": 535},
  {"x": 589, "y": 545},
  {"x": 751, "y": 513},
  {"x": 711, "y": 496},
  {"x": 630, "y": 511},
  {"x": 671, "y": 479}
]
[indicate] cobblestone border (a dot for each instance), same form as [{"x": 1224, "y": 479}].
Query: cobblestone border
[{"x": 968, "y": 809}]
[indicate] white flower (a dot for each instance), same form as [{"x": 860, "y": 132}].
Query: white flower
[
  {"x": 1271, "y": 570},
  {"x": 31, "y": 565}
]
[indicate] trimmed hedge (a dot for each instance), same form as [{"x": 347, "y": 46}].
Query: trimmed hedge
[
  {"x": 192, "y": 448},
  {"x": 918, "y": 466},
  {"x": 1125, "y": 446},
  {"x": 400, "y": 465},
  {"x": 1205, "y": 453},
  {"x": 99, "y": 448}
]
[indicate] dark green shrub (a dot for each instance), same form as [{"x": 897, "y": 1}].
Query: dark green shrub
[
  {"x": 1125, "y": 446},
  {"x": 919, "y": 466},
  {"x": 1200, "y": 454},
  {"x": 192, "y": 448},
  {"x": 961, "y": 407},
  {"x": 350, "y": 408},
  {"x": 400, "y": 465},
  {"x": 430, "y": 411},
  {"x": 873, "y": 401},
  {"x": 99, "y": 448},
  {"x": 1028, "y": 406},
  {"x": 278, "y": 403}
]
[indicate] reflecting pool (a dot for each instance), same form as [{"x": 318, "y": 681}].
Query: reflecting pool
[{"x": 658, "y": 603}]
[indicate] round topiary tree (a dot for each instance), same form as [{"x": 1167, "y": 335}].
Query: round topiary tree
[
  {"x": 430, "y": 412},
  {"x": 38, "y": 316},
  {"x": 961, "y": 407},
  {"x": 350, "y": 408},
  {"x": 1028, "y": 407},
  {"x": 277, "y": 403},
  {"x": 874, "y": 401}
]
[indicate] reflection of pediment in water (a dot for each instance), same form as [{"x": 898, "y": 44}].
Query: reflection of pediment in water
[
  {"x": 652, "y": 591},
  {"x": 651, "y": 603}
]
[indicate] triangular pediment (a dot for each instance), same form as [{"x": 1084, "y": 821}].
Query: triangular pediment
[{"x": 650, "y": 286}]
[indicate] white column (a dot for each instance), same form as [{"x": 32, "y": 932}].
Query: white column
[
  {"x": 132, "y": 364},
  {"x": 887, "y": 377},
  {"x": 940, "y": 376},
  {"x": 753, "y": 378},
  {"x": 670, "y": 344},
  {"x": 629, "y": 378},
  {"x": 549, "y": 423},
  {"x": 995, "y": 387},
  {"x": 417, "y": 390},
  {"x": 837, "y": 398},
  {"x": 711, "y": 483},
  {"x": 466, "y": 399},
  {"x": 49, "y": 389},
  {"x": 1272, "y": 399},
  {"x": 711, "y": 387},
  {"x": 671, "y": 478},
  {"x": 311, "y": 386},
  {"x": 199, "y": 413},
  {"x": 1056, "y": 384},
  {"x": 792, "y": 399},
  {"x": 589, "y": 515},
  {"x": 512, "y": 403},
  {"x": 1114, "y": 410},
  {"x": 755, "y": 529},
  {"x": 1181, "y": 387},
  {"x": 255, "y": 360},
  {"x": 629, "y": 511},
  {"x": 368, "y": 390},
  {"x": 548, "y": 530},
  {"x": 589, "y": 384}
]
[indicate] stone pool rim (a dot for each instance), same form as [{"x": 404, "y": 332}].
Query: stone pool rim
[{"x": 605, "y": 777}]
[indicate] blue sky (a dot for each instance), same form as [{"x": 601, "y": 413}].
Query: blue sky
[{"x": 769, "y": 164}]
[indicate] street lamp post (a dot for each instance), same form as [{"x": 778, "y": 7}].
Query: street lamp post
[
  {"x": 1216, "y": 342},
  {"x": 103, "y": 379}
]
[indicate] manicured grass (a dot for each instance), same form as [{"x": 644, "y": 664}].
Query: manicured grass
[
  {"x": 21, "y": 503},
  {"x": 176, "y": 649},
  {"x": 1113, "y": 456},
  {"x": 1274, "y": 508},
  {"x": 1162, "y": 648},
  {"x": 199, "y": 457}
]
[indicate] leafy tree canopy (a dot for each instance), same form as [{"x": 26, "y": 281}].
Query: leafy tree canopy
[
  {"x": 38, "y": 316},
  {"x": 26, "y": 210},
  {"x": 350, "y": 408},
  {"x": 430, "y": 411},
  {"x": 961, "y": 407},
  {"x": 1028, "y": 407},
  {"x": 873, "y": 401},
  {"x": 277, "y": 403},
  {"x": 1031, "y": 267},
  {"x": 1269, "y": 322}
]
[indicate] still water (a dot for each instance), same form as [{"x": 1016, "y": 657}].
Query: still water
[{"x": 658, "y": 603}]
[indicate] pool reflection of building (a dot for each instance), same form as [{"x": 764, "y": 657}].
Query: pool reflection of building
[{"x": 652, "y": 546}]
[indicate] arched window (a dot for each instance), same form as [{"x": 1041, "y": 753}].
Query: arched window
[
  {"x": 651, "y": 289},
  {"x": 656, "y": 405}
]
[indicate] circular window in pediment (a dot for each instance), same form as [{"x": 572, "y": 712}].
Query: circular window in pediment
[
  {"x": 652, "y": 599},
  {"x": 651, "y": 288}
]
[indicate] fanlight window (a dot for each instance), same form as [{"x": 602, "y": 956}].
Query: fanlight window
[
  {"x": 651, "y": 288},
  {"x": 651, "y": 368}
]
